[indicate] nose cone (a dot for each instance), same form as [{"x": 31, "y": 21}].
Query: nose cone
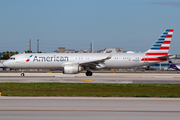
[{"x": 5, "y": 63}]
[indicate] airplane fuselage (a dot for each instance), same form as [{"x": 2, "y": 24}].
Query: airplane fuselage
[{"x": 59, "y": 60}]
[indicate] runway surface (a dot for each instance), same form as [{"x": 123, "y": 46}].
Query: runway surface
[
  {"x": 96, "y": 78},
  {"x": 88, "y": 108}
]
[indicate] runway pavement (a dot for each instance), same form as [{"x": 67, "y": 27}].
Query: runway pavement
[
  {"x": 96, "y": 78},
  {"x": 88, "y": 108}
]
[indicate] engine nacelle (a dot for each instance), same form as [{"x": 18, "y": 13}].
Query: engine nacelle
[{"x": 72, "y": 69}]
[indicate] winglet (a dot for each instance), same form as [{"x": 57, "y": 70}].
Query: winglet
[{"x": 109, "y": 57}]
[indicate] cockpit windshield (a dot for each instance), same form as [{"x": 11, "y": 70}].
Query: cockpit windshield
[{"x": 11, "y": 58}]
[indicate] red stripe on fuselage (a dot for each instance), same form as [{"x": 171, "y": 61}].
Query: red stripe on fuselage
[
  {"x": 156, "y": 54},
  {"x": 153, "y": 59}
]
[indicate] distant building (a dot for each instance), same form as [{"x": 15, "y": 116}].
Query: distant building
[
  {"x": 80, "y": 51},
  {"x": 70, "y": 51},
  {"x": 120, "y": 50},
  {"x": 107, "y": 50},
  {"x": 60, "y": 50},
  {"x": 178, "y": 56}
]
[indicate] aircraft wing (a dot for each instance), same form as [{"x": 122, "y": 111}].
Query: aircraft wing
[{"x": 95, "y": 63}]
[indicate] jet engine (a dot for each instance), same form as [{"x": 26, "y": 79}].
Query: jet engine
[{"x": 72, "y": 69}]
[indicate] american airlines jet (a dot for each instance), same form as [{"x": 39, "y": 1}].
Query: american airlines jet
[{"x": 73, "y": 63}]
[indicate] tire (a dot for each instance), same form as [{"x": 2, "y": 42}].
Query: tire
[
  {"x": 22, "y": 74},
  {"x": 89, "y": 73}
]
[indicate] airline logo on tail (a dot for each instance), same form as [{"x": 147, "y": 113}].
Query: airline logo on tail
[
  {"x": 159, "y": 51},
  {"x": 173, "y": 66}
]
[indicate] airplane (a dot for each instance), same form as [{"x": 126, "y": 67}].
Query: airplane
[
  {"x": 1, "y": 66},
  {"x": 173, "y": 66},
  {"x": 73, "y": 63}
]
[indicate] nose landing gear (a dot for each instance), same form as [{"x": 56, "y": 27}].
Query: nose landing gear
[{"x": 22, "y": 73}]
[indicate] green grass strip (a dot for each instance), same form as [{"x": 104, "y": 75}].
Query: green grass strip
[{"x": 90, "y": 89}]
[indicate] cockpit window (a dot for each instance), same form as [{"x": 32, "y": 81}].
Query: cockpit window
[{"x": 11, "y": 58}]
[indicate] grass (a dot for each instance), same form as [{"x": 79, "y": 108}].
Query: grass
[{"x": 90, "y": 89}]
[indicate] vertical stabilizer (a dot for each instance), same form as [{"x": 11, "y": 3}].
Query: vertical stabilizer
[
  {"x": 160, "y": 49},
  {"x": 172, "y": 66}
]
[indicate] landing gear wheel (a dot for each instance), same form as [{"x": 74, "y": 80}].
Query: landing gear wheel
[
  {"x": 89, "y": 73},
  {"x": 22, "y": 74}
]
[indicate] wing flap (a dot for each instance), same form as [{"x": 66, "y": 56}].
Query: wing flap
[{"x": 93, "y": 63}]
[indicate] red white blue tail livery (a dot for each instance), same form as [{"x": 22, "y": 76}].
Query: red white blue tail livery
[{"x": 160, "y": 48}]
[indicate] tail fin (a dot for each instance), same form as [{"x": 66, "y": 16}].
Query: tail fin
[
  {"x": 173, "y": 66},
  {"x": 159, "y": 51},
  {"x": 170, "y": 62}
]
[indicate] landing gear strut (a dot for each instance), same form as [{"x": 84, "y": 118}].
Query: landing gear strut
[
  {"x": 22, "y": 73},
  {"x": 89, "y": 73}
]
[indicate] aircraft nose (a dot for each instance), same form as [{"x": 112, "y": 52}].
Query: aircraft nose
[{"x": 5, "y": 63}]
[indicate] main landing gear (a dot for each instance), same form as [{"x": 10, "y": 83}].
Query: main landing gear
[{"x": 89, "y": 73}]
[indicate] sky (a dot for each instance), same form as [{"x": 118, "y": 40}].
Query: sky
[{"x": 133, "y": 25}]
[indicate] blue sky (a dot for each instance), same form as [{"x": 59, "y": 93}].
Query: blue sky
[{"x": 133, "y": 25}]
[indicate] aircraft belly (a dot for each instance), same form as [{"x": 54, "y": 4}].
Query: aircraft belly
[
  {"x": 38, "y": 65},
  {"x": 21, "y": 65},
  {"x": 121, "y": 64}
]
